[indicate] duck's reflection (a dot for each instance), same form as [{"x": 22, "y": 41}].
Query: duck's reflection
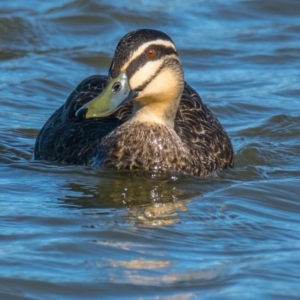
[
  {"x": 150, "y": 199},
  {"x": 157, "y": 214}
]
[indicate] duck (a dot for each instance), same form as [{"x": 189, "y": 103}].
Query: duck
[{"x": 142, "y": 116}]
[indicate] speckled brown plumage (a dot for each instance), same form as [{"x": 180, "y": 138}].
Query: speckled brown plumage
[
  {"x": 193, "y": 143},
  {"x": 66, "y": 139}
]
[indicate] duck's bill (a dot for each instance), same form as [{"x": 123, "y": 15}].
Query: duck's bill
[{"x": 116, "y": 93}]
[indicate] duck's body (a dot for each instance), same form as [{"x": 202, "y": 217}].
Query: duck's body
[{"x": 163, "y": 126}]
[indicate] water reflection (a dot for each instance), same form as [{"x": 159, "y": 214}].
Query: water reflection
[
  {"x": 158, "y": 214},
  {"x": 190, "y": 278},
  {"x": 124, "y": 189},
  {"x": 150, "y": 199}
]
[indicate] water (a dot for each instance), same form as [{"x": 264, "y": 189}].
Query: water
[{"x": 73, "y": 232}]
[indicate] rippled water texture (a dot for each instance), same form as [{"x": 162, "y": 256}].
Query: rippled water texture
[{"x": 71, "y": 232}]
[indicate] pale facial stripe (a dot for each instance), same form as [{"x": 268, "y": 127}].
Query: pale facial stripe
[
  {"x": 144, "y": 46},
  {"x": 148, "y": 72}
]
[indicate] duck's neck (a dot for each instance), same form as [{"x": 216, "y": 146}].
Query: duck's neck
[{"x": 162, "y": 113}]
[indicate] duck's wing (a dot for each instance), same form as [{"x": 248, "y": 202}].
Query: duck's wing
[
  {"x": 197, "y": 125},
  {"x": 65, "y": 138}
]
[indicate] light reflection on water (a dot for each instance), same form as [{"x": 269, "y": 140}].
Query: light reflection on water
[{"x": 77, "y": 232}]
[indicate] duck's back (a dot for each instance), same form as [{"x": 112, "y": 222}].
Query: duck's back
[
  {"x": 197, "y": 125},
  {"x": 67, "y": 139}
]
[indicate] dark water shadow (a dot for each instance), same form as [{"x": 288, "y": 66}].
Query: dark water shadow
[{"x": 125, "y": 189}]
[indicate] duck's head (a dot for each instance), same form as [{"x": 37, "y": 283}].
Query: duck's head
[{"x": 146, "y": 69}]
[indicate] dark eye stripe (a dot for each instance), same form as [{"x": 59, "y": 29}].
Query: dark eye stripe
[{"x": 142, "y": 59}]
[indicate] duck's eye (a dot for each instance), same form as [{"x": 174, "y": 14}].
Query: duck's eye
[{"x": 151, "y": 53}]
